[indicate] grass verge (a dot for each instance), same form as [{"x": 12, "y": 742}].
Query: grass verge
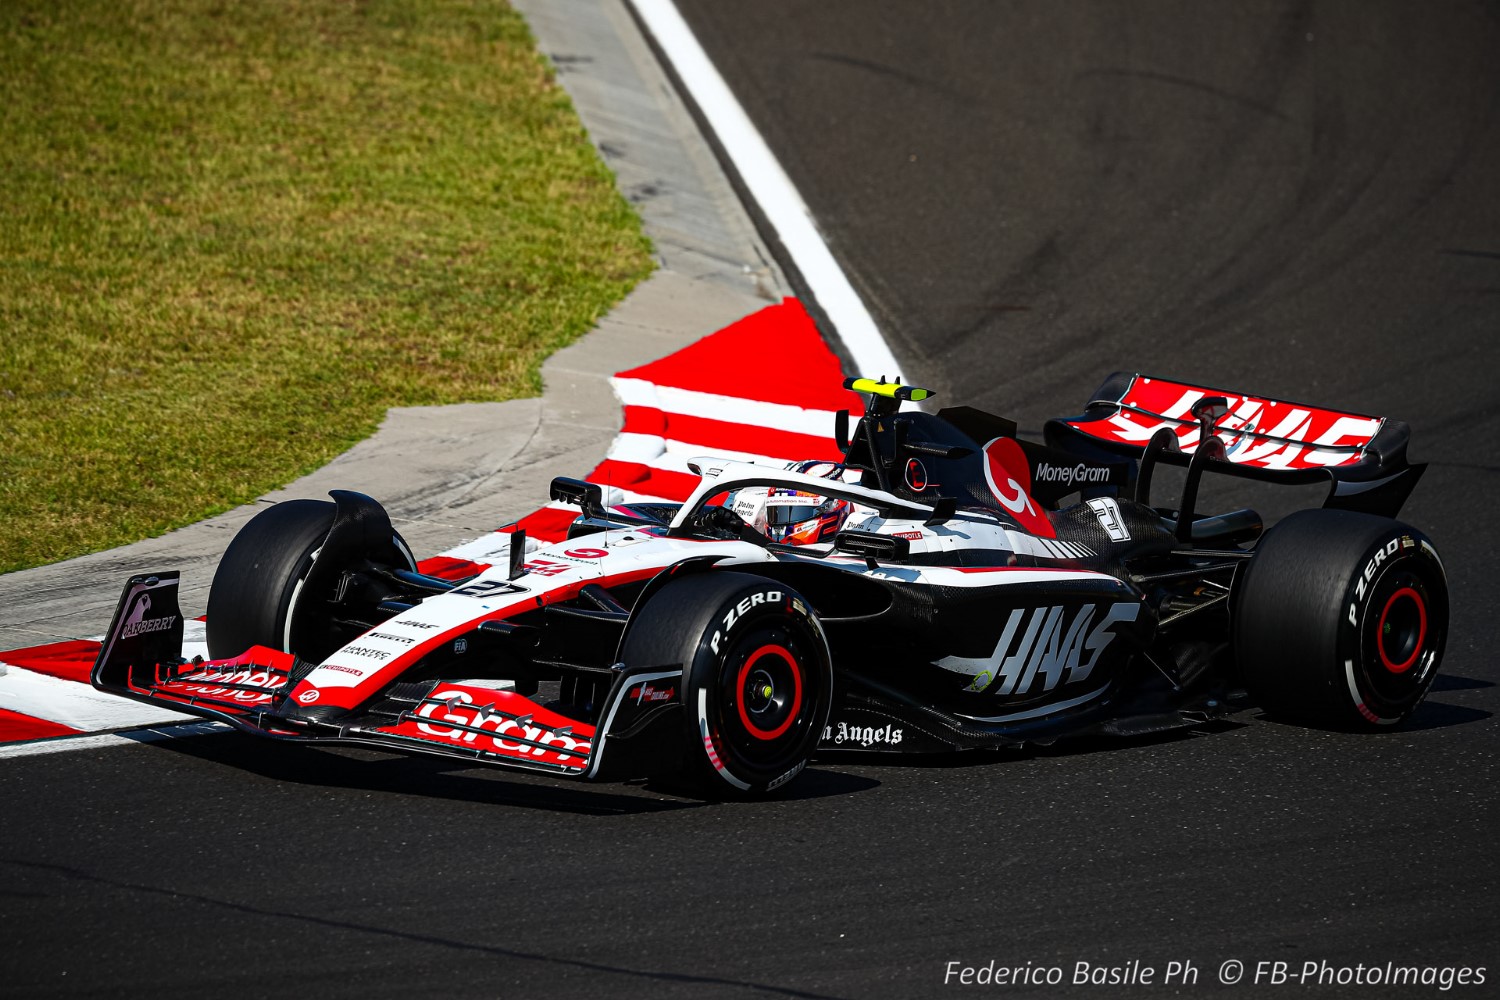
[{"x": 232, "y": 234}]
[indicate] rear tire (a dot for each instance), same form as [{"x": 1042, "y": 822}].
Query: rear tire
[
  {"x": 1339, "y": 619},
  {"x": 757, "y": 677}
]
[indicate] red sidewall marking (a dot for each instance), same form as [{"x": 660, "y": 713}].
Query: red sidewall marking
[
  {"x": 752, "y": 728},
  {"x": 1404, "y": 665}
]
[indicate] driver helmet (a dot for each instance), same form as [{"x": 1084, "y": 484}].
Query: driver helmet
[{"x": 793, "y": 517}]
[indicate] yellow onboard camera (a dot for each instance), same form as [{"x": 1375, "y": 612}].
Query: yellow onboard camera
[{"x": 890, "y": 390}]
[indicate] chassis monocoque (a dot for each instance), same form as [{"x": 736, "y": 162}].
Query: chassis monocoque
[{"x": 964, "y": 606}]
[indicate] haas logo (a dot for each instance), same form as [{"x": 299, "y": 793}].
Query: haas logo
[
  {"x": 1044, "y": 643},
  {"x": 136, "y": 622}
]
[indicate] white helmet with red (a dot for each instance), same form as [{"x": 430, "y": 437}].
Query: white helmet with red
[{"x": 790, "y": 516}]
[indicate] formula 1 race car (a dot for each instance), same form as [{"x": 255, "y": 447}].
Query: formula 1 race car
[{"x": 945, "y": 598}]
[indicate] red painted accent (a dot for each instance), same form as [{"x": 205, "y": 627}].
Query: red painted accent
[
  {"x": 72, "y": 660},
  {"x": 15, "y": 727},
  {"x": 548, "y": 524},
  {"x": 645, "y": 420},
  {"x": 1404, "y": 665},
  {"x": 258, "y": 666},
  {"x": 639, "y": 478},
  {"x": 712, "y": 435},
  {"x": 1025, "y": 569},
  {"x": 727, "y": 362},
  {"x": 446, "y": 568},
  {"x": 432, "y": 723},
  {"x": 752, "y": 728},
  {"x": 1009, "y": 477}
]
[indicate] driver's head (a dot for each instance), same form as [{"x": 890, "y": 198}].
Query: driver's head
[
  {"x": 790, "y": 516},
  {"x": 794, "y": 517}
]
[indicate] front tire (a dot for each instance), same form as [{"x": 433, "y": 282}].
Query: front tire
[
  {"x": 282, "y": 580},
  {"x": 250, "y": 601},
  {"x": 1340, "y": 619},
  {"x": 757, "y": 677}
]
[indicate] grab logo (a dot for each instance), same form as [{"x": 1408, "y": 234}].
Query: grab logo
[
  {"x": 471, "y": 723},
  {"x": 1009, "y": 477}
]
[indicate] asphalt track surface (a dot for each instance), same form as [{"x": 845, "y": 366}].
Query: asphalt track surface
[{"x": 1292, "y": 199}]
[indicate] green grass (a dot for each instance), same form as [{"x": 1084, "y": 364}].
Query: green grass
[{"x": 232, "y": 234}]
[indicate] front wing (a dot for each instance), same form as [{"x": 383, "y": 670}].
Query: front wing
[{"x": 141, "y": 658}]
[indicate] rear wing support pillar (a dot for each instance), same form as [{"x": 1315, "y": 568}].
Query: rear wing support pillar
[
  {"x": 1211, "y": 450},
  {"x": 1162, "y": 440}
]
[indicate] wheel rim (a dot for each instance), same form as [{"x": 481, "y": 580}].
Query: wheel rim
[
  {"x": 1400, "y": 638},
  {"x": 1402, "y": 630},
  {"x": 769, "y": 692}
]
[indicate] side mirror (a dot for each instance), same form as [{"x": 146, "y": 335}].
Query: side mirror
[{"x": 588, "y": 496}]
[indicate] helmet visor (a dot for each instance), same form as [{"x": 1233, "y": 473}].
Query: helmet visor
[{"x": 782, "y": 516}]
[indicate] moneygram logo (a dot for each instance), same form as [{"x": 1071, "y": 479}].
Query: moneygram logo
[{"x": 1070, "y": 474}]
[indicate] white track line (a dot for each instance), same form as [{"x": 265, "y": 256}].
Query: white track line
[{"x": 771, "y": 188}]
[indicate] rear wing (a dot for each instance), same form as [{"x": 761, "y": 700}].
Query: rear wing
[{"x": 1362, "y": 458}]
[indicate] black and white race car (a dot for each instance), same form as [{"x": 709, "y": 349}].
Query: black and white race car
[{"x": 954, "y": 601}]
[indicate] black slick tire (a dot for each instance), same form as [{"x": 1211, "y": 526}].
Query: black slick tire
[
  {"x": 1339, "y": 619},
  {"x": 251, "y": 599},
  {"x": 757, "y": 677}
]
